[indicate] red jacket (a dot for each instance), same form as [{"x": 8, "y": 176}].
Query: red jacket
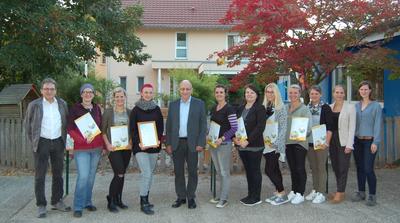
[{"x": 80, "y": 143}]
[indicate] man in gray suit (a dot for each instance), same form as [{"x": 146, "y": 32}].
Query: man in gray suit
[
  {"x": 45, "y": 126},
  {"x": 186, "y": 136}
]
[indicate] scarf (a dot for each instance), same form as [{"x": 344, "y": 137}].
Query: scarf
[
  {"x": 315, "y": 109},
  {"x": 146, "y": 105}
]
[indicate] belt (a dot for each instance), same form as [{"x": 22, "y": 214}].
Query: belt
[
  {"x": 182, "y": 138},
  {"x": 367, "y": 138},
  {"x": 51, "y": 140}
]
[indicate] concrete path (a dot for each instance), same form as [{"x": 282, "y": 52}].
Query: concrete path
[{"x": 17, "y": 203}]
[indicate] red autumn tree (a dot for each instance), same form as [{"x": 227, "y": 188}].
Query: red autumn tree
[{"x": 310, "y": 37}]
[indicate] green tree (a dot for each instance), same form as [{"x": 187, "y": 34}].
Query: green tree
[
  {"x": 203, "y": 85},
  {"x": 69, "y": 86},
  {"x": 40, "y": 38}
]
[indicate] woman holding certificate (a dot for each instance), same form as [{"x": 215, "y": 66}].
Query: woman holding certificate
[
  {"x": 368, "y": 131},
  {"x": 114, "y": 128},
  {"x": 223, "y": 115},
  {"x": 274, "y": 141},
  {"x": 298, "y": 129},
  {"x": 146, "y": 126},
  {"x": 318, "y": 143},
  {"x": 341, "y": 145},
  {"x": 83, "y": 126},
  {"x": 252, "y": 114}
]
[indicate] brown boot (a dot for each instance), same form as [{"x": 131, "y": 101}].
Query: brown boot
[
  {"x": 331, "y": 196},
  {"x": 338, "y": 198}
]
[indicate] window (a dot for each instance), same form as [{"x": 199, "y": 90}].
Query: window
[
  {"x": 122, "y": 82},
  {"x": 233, "y": 39},
  {"x": 181, "y": 46},
  {"x": 140, "y": 83}
]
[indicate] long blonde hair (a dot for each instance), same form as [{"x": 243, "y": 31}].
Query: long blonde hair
[{"x": 277, "y": 103}]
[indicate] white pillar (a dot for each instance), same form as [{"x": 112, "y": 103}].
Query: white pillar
[{"x": 159, "y": 86}]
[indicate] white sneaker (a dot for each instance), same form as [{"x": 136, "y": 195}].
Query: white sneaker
[
  {"x": 273, "y": 197},
  {"x": 311, "y": 195},
  {"x": 298, "y": 199},
  {"x": 291, "y": 195},
  {"x": 320, "y": 198}
]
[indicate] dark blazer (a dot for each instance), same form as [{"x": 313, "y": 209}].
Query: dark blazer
[
  {"x": 196, "y": 127},
  {"x": 254, "y": 123}
]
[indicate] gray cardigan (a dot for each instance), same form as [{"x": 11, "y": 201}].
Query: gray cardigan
[
  {"x": 301, "y": 111},
  {"x": 369, "y": 121},
  {"x": 33, "y": 121}
]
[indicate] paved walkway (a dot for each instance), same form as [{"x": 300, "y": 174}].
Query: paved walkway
[{"x": 17, "y": 203}]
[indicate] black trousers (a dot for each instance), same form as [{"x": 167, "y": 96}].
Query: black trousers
[
  {"x": 180, "y": 155},
  {"x": 251, "y": 162},
  {"x": 273, "y": 171},
  {"x": 55, "y": 150},
  {"x": 296, "y": 157},
  {"x": 340, "y": 161},
  {"x": 119, "y": 161}
]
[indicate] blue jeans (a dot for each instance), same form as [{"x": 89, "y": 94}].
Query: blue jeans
[
  {"x": 86, "y": 164},
  {"x": 365, "y": 165}
]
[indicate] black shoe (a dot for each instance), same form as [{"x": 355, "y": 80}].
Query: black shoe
[
  {"x": 111, "y": 204},
  {"x": 91, "y": 208},
  {"x": 178, "y": 203},
  {"x": 192, "y": 204},
  {"x": 119, "y": 203},
  {"x": 245, "y": 200},
  {"x": 144, "y": 206},
  {"x": 77, "y": 214},
  {"x": 150, "y": 204}
]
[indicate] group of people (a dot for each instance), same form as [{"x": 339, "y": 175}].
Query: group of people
[{"x": 349, "y": 128}]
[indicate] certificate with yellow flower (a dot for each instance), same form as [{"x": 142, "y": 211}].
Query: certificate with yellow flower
[
  {"x": 213, "y": 134},
  {"x": 119, "y": 137},
  {"x": 319, "y": 136},
  {"x": 270, "y": 133},
  {"x": 87, "y": 126},
  {"x": 298, "y": 130},
  {"x": 241, "y": 132}
]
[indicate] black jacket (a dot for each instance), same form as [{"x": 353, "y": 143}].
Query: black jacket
[{"x": 254, "y": 123}]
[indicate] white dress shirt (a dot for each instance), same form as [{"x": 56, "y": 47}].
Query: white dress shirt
[
  {"x": 183, "y": 117},
  {"x": 51, "y": 121}
]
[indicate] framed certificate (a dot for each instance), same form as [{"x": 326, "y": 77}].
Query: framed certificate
[
  {"x": 119, "y": 137},
  {"x": 213, "y": 134},
  {"x": 87, "y": 126},
  {"x": 298, "y": 130},
  {"x": 148, "y": 134},
  {"x": 241, "y": 132},
  {"x": 319, "y": 136},
  {"x": 270, "y": 133}
]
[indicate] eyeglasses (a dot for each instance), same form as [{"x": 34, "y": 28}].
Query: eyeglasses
[
  {"x": 185, "y": 89},
  {"x": 87, "y": 92},
  {"x": 48, "y": 89}
]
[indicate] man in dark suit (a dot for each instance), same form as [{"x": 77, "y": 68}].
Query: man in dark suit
[{"x": 186, "y": 136}]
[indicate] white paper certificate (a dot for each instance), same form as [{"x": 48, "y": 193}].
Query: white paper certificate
[
  {"x": 148, "y": 134},
  {"x": 119, "y": 137},
  {"x": 319, "y": 136},
  {"x": 87, "y": 126},
  {"x": 241, "y": 132},
  {"x": 213, "y": 134},
  {"x": 270, "y": 133},
  {"x": 298, "y": 131},
  {"x": 70, "y": 143}
]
